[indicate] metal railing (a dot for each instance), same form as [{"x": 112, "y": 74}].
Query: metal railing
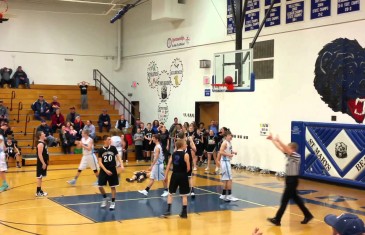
[
  {"x": 11, "y": 100},
  {"x": 33, "y": 138},
  {"x": 20, "y": 107},
  {"x": 27, "y": 119},
  {"x": 113, "y": 92}
]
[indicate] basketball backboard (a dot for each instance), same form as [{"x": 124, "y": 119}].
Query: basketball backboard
[{"x": 235, "y": 64}]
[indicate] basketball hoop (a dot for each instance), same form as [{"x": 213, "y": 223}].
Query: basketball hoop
[{"x": 222, "y": 87}]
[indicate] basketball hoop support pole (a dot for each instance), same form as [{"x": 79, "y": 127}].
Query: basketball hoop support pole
[
  {"x": 252, "y": 44},
  {"x": 239, "y": 13}
]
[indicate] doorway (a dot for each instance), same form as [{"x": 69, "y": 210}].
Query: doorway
[
  {"x": 205, "y": 112},
  {"x": 135, "y": 111}
]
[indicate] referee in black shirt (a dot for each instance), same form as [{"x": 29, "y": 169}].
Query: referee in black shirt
[{"x": 291, "y": 181}]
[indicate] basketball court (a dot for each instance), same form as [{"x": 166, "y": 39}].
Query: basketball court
[
  {"x": 160, "y": 76},
  {"x": 76, "y": 209}
]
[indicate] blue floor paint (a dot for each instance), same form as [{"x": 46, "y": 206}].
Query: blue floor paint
[
  {"x": 336, "y": 198},
  {"x": 133, "y": 205}
]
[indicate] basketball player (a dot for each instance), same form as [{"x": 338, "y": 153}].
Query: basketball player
[
  {"x": 191, "y": 133},
  {"x": 179, "y": 178},
  {"x": 88, "y": 158},
  {"x": 211, "y": 149},
  {"x": 220, "y": 139},
  {"x": 3, "y": 166},
  {"x": 157, "y": 168},
  {"x": 190, "y": 147},
  {"x": 225, "y": 156},
  {"x": 139, "y": 176},
  {"x": 199, "y": 143},
  {"x": 116, "y": 141},
  {"x": 42, "y": 162},
  {"x": 291, "y": 181},
  {"x": 148, "y": 143},
  {"x": 108, "y": 156},
  {"x": 12, "y": 151}
]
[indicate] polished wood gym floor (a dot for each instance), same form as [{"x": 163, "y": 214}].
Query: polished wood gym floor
[{"x": 22, "y": 213}]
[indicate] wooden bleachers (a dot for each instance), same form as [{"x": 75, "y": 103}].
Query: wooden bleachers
[{"x": 68, "y": 96}]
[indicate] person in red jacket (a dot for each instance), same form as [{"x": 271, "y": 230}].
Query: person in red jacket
[{"x": 58, "y": 120}]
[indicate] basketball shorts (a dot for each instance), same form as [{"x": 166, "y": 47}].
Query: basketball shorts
[
  {"x": 181, "y": 181},
  {"x": 12, "y": 155},
  {"x": 41, "y": 173},
  {"x": 3, "y": 166},
  {"x": 226, "y": 170},
  {"x": 104, "y": 178},
  {"x": 157, "y": 172},
  {"x": 88, "y": 161},
  {"x": 210, "y": 148}
]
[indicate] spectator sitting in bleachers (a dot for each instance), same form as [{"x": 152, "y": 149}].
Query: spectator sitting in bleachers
[
  {"x": 12, "y": 152},
  {"x": 5, "y": 74},
  {"x": 4, "y": 114},
  {"x": 72, "y": 115},
  {"x": 54, "y": 105},
  {"x": 20, "y": 77},
  {"x": 78, "y": 126},
  {"x": 41, "y": 109},
  {"x": 73, "y": 135},
  {"x": 68, "y": 126},
  {"x": 104, "y": 121},
  {"x": 51, "y": 141},
  {"x": 122, "y": 123},
  {"x": 91, "y": 128},
  {"x": 65, "y": 140},
  {"x": 57, "y": 121}
]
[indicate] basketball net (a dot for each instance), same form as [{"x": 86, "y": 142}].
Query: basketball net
[{"x": 222, "y": 87}]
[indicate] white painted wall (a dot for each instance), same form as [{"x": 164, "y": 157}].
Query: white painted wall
[
  {"x": 289, "y": 96},
  {"x": 41, "y": 41}
]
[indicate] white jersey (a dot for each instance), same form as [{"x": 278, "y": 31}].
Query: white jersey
[
  {"x": 161, "y": 157},
  {"x": 117, "y": 142},
  {"x": 87, "y": 142},
  {"x": 228, "y": 149},
  {"x": 3, "y": 166}
]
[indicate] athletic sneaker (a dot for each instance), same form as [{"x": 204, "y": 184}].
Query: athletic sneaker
[
  {"x": 166, "y": 214},
  {"x": 206, "y": 169},
  {"x": 216, "y": 169},
  {"x": 129, "y": 180},
  {"x": 104, "y": 202},
  {"x": 195, "y": 169},
  {"x": 126, "y": 161},
  {"x": 192, "y": 194},
  {"x": 112, "y": 206},
  {"x": 183, "y": 215},
  {"x": 223, "y": 197},
  {"x": 144, "y": 192},
  {"x": 231, "y": 198},
  {"x": 4, "y": 187},
  {"x": 96, "y": 183},
  {"x": 165, "y": 193},
  {"x": 41, "y": 194},
  {"x": 205, "y": 161},
  {"x": 18, "y": 166},
  {"x": 72, "y": 182}
]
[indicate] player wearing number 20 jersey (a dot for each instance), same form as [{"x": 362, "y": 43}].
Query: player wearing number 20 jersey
[{"x": 108, "y": 156}]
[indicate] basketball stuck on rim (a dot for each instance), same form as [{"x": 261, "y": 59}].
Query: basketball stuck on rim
[{"x": 228, "y": 80}]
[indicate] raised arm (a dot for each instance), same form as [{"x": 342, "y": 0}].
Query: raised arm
[{"x": 279, "y": 144}]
